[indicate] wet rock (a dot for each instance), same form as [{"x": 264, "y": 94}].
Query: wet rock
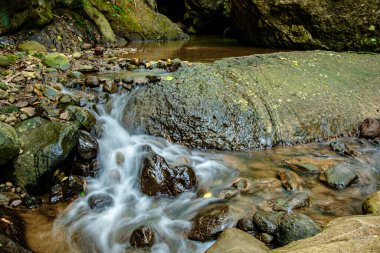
[
  {"x": 56, "y": 194},
  {"x": 91, "y": 81},
  {"x": 242, "y": 184},
  {"x": 302, "y": 165},
  {"x": 81, "y": 116},
  {"x": 120, "y": 159},
  {"x": 72, "y": 186},
  {"x": 294, "y": 227},
  {"x": 153, "y": 79},
  {"x": 339, "y": 176},
  {"x": 127, "y": 80},
  {"x": 110, "y": 87},
  {"x": 87, "y": 145},
  {"x": 290, "y": 203},
  {"x": 33, "y": 167},
  {"x": 99, "y": 50},
  {"x": 342, "y": 149},
  {"x": 210, "y": 222},
  {"x": 352, "y": 234},
  {"x": 290, "y": 180},
  {"x": 30, "y": 201},
  {"x": 83, "y": 168},
  {"x": 265, "y": 238},
  {"x": 172, "y": 68},
  {"x": 246, "y": 225},
  {"x": 11, "y": 233},
  {"x": 233, "y": 240},
  {"x": 9, "y": 143},
  {"x": 100, "y": 201},
  {"x": 30, "y": 46},
  {"x": 135, "y": 61},
  {"x": 267, "y": 222},
  {"x": 228, "y": 194},
  {"x": 157, "y": 178},
  {"x": 371, "y": 204},
  {"x": 370, "y": 128},
  {"x": 142, "y": 237},
  {"x": 56, "y": 60},
  {"x": 234, "y": 119}
]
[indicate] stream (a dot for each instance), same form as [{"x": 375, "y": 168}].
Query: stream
[{"x": 76, "y": 227}]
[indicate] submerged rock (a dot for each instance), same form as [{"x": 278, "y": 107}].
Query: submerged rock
[
  {"x": 252, "y": 102},
  {"x": 289, "y": 203},
  {"x": 210, "y": 222},
  {"x": 294, "y": 227},
  {"x": 339, "y": 176},
  {"x": 233, "y": 240},
  {"x": 9, "y": 143},
  {"x": 290, "y": 180},
  {"x": 371, "y": 204},
  {"x": 342, "y": 149},
  {"x": 100, "y": 201},
  {"x": 142, "y": 237},
  {"x": 157, "y": 178},
  {"x": 302, "y": 165}
]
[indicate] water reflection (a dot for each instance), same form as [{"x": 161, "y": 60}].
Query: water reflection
[{"x": 197, "y": 49}]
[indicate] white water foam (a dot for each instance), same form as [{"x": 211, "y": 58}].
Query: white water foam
[{"x": 108, "y": 231}]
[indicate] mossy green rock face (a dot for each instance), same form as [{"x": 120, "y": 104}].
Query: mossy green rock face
[
  {"x": 57, "y": 61},
  {"x": 9, "y": 143},
  {"x": 308, "y": 24},
  {"x": 5, "y": 61},
  {"x": 30, "y": 46},
  {"x": 44, "y": 145},
  {"x": 82, "y": 117},
  {"x": 260, "y": 101},
  {"x": 371, "y": 205}
]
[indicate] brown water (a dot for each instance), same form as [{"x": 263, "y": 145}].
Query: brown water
[
  {"x": 258, "y": 165},
  {"x": 197, "y": 49}
]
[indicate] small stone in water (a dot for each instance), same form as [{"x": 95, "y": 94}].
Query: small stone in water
[
  {"x": 119, "y": 158},
  {"x": 370, "y": 128},
  {"x": 127, "y": 80},
  {"x": 245, "y": 224},
  {"x": 100, "y": 201},
  {"x": 30, "y": 201},
  {"x": 242, "y": 184},
  {"x": 142, "y": 237}
]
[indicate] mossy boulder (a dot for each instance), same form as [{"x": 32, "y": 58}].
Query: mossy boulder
[
  {"x": 57, "y": 61},
  {"x": 82, "y": 117},
  {"x": 45, "y": 144},
  {"x": 32, "y": 46},
  {"x": 260, "y": 101},
  {"x": 9, "y": 143},
  {"x": 371, "y": 205},
  {"x": 6, "y": 61},
  {"x": 308, "y": 24}
]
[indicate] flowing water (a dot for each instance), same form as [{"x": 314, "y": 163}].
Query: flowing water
[
  {"x": 79, "y": 228},
  {"x": 109, "y": 230}
]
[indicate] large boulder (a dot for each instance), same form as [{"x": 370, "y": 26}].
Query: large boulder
[
  {"x": 260, "y": 101},
  {"x": 233, "y": 240},
  {"x": 45, "y": 144},
  {"x": 353, "y": 234},
  {"x": 308, "y": 24},
  {"x": 9, "y": 143},
  {"x": 371, "y": 205}
]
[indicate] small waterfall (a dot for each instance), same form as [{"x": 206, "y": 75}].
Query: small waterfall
[{"x": 121, "y": 156}]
